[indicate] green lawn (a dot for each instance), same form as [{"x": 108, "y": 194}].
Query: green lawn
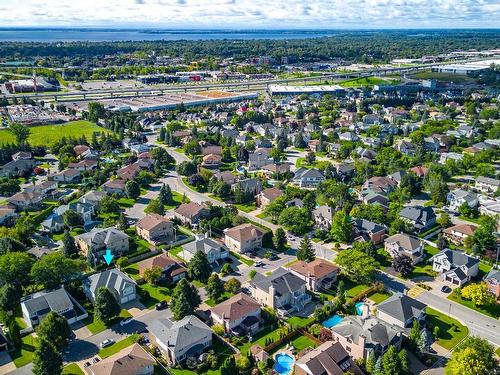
[
  {"x": 246, "y": 207},
  {"x": 451, "y": 331},
  {"x": 226, "y": 295},
  {"x": 47, "y": 135},
  {"x": 379, "y": 297},
  {"x": 126, "y": 202},
  {"x": 298, "y": 322},
  {"x": 260, "y": 338},
  {"x": 441, "y": 76},
  {"x": 320, "y": 164},
  {"x": 151, "y": 295},
  {"x": 117, "y": 346},
  {"x": 95, "y": 325},
  {"x": 352, "y": 288},
  {"x": 367, "y": 81},
  {"x": 248, "y": 262},
  {"x": 176, "y": 200},
  {"x": 133, "y": 271},
  {"x": 175, "y": 251},
  {"x": 484, "y": 268},
  {"x": 263, "y": 215},
  {"x": 72, "y": 369},
  {"x": 423, "y": 268},
  {"x": 25, "y": 355},
  {"x": 302, "y": 342},
  {"x": 493, "y": 310}
]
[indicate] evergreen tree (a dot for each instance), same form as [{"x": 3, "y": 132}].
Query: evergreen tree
[
  {"x": 14, "y": 333},
  {"x": 47, "y": 360},
  {"x": 279, "y": 239},
  {"x": 161, "y": 136},
  {"x": 370, "y": 363},
  {"x": 414, "y": 335},
  {"x": 229, "y": 367},
  {"x": 9, "y": 297},
  {"x": 403, "y": 362},
  {"x": 378, "y": 366},
  {"x": 340, "y": 299},
  {"x": 425, "y": 341},
  {"x": 215, "y": 287},
  {"x": 185, "y": 300},
  {"x": 305, "y": 251},
  {"x": 132, "y": 189},
  {"x": 165, "y": 195},
  {"x": 122, "y": 222},
  {"x": 105, "y": 306},
  {"x": 199, "y": 268},
  {"x": 390, "y": 361},
  {"x": 69, "y": 246}
]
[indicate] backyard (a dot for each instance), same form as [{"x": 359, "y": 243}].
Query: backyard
[{"x": 47, "y": 135}]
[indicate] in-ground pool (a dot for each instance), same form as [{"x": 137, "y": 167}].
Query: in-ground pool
[
  {"x": 283, "y": 363},
  {"x": 359, "y": 308},
  {"x": 332, "y": 321}
]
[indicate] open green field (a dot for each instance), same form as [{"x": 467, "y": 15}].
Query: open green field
[
  {"x": 446, "y": 77},
  {"x": 47, "y": 135},
  {"x": 367, "y": 81}
]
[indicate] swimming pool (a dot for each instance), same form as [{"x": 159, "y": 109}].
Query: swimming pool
[
  {"x": 332, "y": 321},
  {"x": 283, "y": 363},
  {"x": 359, "y": 308}
]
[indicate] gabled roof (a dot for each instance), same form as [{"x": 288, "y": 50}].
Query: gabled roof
[
  {"x": 466, "y": 229},
  {"x": 402, "y": 307},
  {"x": 180, "y": 334},
  {"x": 189, "y": 209},
  {"x": 317, "y": 268},
  {"x": 405, "y": 241},
  {"x": 244, "y": 232},
  {"x": 151, "y": 221},
  {"x": 308, "y": 173},
  {"x": 236, "y": 307},
  {"x": 129, "y": 361},
  {"x": 457, "y": 258},
  {"x": 56, "y": 300},
  {"x": 367, "y": 226},
  {"x": 418, "y": 214},
  {"x": 281, "y": 280},
  {"x": 113, "y": 279}
]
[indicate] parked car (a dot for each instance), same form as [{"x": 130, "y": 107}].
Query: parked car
[
  {"x": 106, "y": 343},
  {"x": 259, "y": 264},
  {"x": 445, "y": 289},
  {"x": 125, "y": 321},
  {"x": 162, "y": 305}
]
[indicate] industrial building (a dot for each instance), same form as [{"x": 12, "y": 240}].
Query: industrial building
[
  {"x": 297, "y": 90},
  {"x": 465, "y": 68}
]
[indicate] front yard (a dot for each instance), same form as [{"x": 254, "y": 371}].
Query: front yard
[
  {"x": 451, "y": 331},
  {"x": 379, "y": 297},
  {"x": 424, "y": 269},
  {"x": 95, "y": 325},
  {"x": 117, "y": 346},
  {"x": 25, "y": 355},
  {"x": 491, "y": 310}
]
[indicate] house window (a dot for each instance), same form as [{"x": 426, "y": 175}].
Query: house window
[{"x": 347, "y": 348}]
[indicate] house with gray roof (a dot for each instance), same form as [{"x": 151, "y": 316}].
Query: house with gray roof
[
  {"x": 36, "y": 306},
  {"x": 487, "y": 185},
  {"x": 180, "y": 340},
  {"x": 282, "y": 291},
  {"x": 401, "y": 310},
  {"x": 456, "y": 267},
  {"x": 404, "y": 244},
  {"x": 308, "y": 178},
  {"x": 214, "y": 250},
  {"x": 457, "y": 197},
  {"x": 99, "y": 240},
  {"x": 362, "y": 336},
  {"x": 119, "y": 284},
  {"x": 420, "y": 217},
  {"x": 94, "y": 198},
  {"x": 366, "y": 230},
  {"x": 248, "y": 185}
]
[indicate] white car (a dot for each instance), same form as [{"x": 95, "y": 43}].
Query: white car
[
  {"x": 106, "y": 343},
  {"x": 126, "y": 321}
]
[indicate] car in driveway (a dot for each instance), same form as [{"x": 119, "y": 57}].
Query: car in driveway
[
  {"x": 161, "y": 305},
  {"x": 125, "y": 321},
  {"x": 259, "y": 264},
  {"x": 106, "y": 343},
  {"x": 445, "y": 289}
]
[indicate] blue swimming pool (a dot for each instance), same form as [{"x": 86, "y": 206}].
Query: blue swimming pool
[
  {"x": 332, "y": 321},
  {"x": 359, "y": 308},
  {"x": 283, "y": 363}
]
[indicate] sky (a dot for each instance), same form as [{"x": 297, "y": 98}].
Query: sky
[{"x": 253, "y": 14}]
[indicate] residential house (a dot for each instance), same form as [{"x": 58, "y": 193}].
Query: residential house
[
  {"x": 266, "y": 196},
  {"x": 431, "y": 144},
  {"x": 370, "y": 197},
  {"x": 362, "y": 336},
  {"x": 171, "y": 269},
  {"x": 155, "y": 229},
  {"x": 318, "y": 274},
  {"x": 36, "y": 306},
  {"x": 445, "y": 156},
  {"x": 457, "y": 234},
  {"x": 330, "y": 358},
  {"x": 128, "y": 172},
  {"x": 487, "y": 185},
  {"x": 98, "y": 240},
  {"x": 211, "y": 161},
  {"x": 225, "y": 176},
  {"x": 323, "y": 217},
  {"x": 398, "y": 176},
  {"x": 421, "y": 218},
  {"x": 94, "y": 198},
  {"x": 26, "y": 201},
  {"x": 214, "y": 250},
  {"x": 259, "y": 158},
  {"x": 133, "y": 360},
  {"x": 380, "y": 185},
  {"x": 401, "y": 310},
  {"x": 180, "y": 340},
  {"x": 281, "y": 290},
  {"x": 308, "y": 178},
  {"x": 251, "y": 186},
  {"x": 53, "y": 223},
  {"x": 22, "y": 155},
  {"x": 405, "y": 147},
  {"x": 456, "y": 267},
  {"x": 239, "y": 315},
  {"x": 420, "y": 171},
  {"x": 404, "y": 244},
  {"x": 44, "y": 188},
  {"x": 210, "y": 149},
  {"x": 116, "y": 186},
  {"x": 7, "y": 215},
  {"x": 84, "y": 165},
  {"x": 457, "y": 197},
  {"x": 16, "y": 168},
  {"x": 492, "y": 280},
  {"x": 67, "y": 176},
  {"x": 191, "y": 213},
  {"x": 274, "y": 169},
  {"x": 366, "y": 230},
  {"x": 119, "y": 284},
  {"x": 243, "y": 238}
]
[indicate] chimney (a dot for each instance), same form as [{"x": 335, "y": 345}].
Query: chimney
[
  {"x": 272, "y": 293},
  {"x": 362, "y": 341},
  {"x": 199, "y": 236}
]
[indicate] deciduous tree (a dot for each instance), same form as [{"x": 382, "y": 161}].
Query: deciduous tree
[
  {"x": 185, "y": 300},
  {"x": 55, "y": 329},
  {"x": 106, "y": 306}
]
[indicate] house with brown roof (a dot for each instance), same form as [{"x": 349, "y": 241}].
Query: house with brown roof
[
  {"x": 25, "y": 200},
  {"x": 128, "y": 172},
  {"x": 276, "y": 169},
  {"x": 7, "y": 215},
  {"x": 191, "y": 213},
  {"x": 133, "y": 360},
  {"x": 210, "y": 149},
  {"x": 84, "y": 165},
  {"x": 172, "y": 270},
  {"x": 318, "y": 274},
  {"x": 67, "y": 176},
  {"x": 211, "y": 161},
  {"x": 225, "y": 176},
  {"x": 243, "y": 238},
  {"x": 80, "y": 149},
  {"x": 116, "y": 186},
  {"x": 267, "y": 196},
  {"x": 420, "y": 171},
  {"x": 240, "y": 314},
  {"x": 459, "y": 233},
  {"x": 155, "y": 229},
  {"x": 330, "y": 358}
]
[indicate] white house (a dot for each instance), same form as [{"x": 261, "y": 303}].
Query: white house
[
  {"x": 457, "y": 197},
  {"x": 455, "y": 266}
]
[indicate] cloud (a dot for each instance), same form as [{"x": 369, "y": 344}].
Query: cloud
[{"x": 253, "y": 13}]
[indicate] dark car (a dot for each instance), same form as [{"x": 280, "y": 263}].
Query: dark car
[
  {"x": 162, "y": 305},
  {"x": 445, "y": 289}
]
